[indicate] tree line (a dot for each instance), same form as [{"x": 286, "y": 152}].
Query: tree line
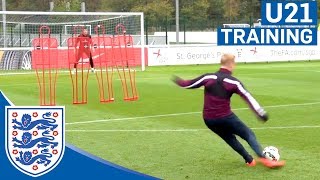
[{"x": 194, "y": 14}]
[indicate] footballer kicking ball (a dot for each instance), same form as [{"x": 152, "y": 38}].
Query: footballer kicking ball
[{"x": 271, "y": 153}]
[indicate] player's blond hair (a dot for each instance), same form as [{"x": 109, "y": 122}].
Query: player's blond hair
[{"x": 227, "y": 59}]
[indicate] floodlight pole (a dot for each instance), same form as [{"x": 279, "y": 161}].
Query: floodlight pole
[
  {"x": 177, "y": 22},
  {"x": 4, "y": 21}
]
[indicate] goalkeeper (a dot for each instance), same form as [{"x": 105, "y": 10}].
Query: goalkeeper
[
  {"x": 217, "y": 114},
  {"x": 84, "y": 41}
]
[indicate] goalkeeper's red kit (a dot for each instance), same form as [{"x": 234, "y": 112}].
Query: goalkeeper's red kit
[
  {"x": 85, "y": 42},
  {"x": 218, "y": 89}
]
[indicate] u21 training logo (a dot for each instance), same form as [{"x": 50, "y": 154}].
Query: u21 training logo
[{"x": 35, "y": 138}]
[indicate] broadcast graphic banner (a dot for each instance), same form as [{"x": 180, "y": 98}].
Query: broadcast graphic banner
[
  {"x": 284, "y": 22},
  {"x": 267, "y": 36},
  {"x": 285, "y": 12}
]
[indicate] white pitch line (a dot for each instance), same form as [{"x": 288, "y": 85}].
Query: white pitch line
[
  {"x": 67, "y": 82},
  {"x": 181, "y": 130},
  {"x": 286, "y": 127},
  {"x": 132, "y": 118},
  {"x": 135, "y": 130},
  {"x": 149, "y": 78},
  {"x": 179, "y": 114}
]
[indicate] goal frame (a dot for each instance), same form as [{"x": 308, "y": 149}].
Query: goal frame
[
  {"x": 142, "y": 43},
  {"x": 70, "y": 25}
]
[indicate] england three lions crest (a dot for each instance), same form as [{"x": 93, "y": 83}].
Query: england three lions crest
[{"x": 35, "y": 138}]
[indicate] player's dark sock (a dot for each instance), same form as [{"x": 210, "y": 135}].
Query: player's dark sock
[
  {"x": 241, "y": 150},
  {"x": 232, "y": 141},
  {"x": 91, "y": 62},
  {"x": 248, "y": 159}
]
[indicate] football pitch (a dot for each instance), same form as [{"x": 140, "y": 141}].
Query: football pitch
[{"x": 163, "y": 134}]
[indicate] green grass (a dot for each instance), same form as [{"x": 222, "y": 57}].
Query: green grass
[{"x": 197, "y": 154}]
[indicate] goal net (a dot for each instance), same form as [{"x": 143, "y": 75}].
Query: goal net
[{"x": 18, "y": 31}]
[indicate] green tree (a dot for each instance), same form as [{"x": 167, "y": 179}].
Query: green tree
[
  {"x": 121, "y": 5},
  {"x": 195, "y": 13},
  {"x": 156, "y": 12},
  {"x": 318, "y": 1},
  {"x": 249, "y": 10},
  {"x": 97, "y": 5},
  {"x": 256, "y": 9},
  {"x": 27, "y": 5},
  {"x": 61, "y": 5},
  {"x": 231, "y": 10},
  {"x": 216, "y": 12}
]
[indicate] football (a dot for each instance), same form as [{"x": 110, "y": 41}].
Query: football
[{"x": 271, "y": 153}]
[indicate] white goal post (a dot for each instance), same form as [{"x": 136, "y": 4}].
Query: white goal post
[{"x": 18, "y": 28}]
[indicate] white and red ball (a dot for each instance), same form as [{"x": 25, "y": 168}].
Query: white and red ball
[{"x": 272, "y": 153}]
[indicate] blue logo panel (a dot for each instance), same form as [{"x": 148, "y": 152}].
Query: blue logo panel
[
  {"x": 267, "y": 36},
  {"x": 35, "y": 138},
  {"x": 279, "y": 12},
  {"x": 38, "y": 151}
]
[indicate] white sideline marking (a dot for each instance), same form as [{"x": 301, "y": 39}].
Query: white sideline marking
[
  {"x": 67, "y": 82},
  {"x": 135, "y": 130},
  {"x": 286, "y": 127},
  {"x": 181, "y": 130},
  {"x": 179, "y": 114},
  {"x": 148, "y": 78},
  {"x": 132, "y": 118}
]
